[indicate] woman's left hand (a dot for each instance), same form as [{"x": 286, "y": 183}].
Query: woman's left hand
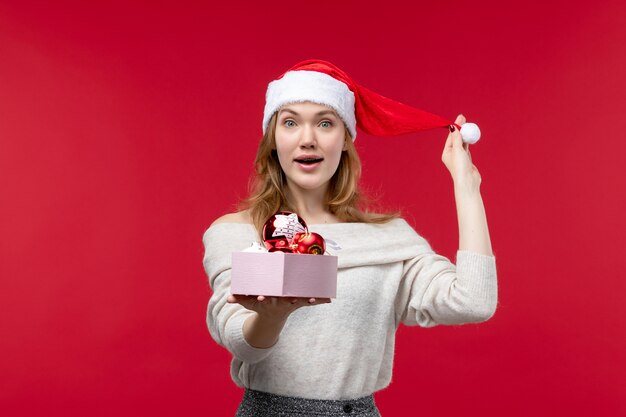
[{"x": 457, "y": 158}]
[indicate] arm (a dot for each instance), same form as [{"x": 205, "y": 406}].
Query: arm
[
  {"x": 435, "y": 291},
  {"x": 263, "y": 327},
  {"x": 473, "y": 230},
  {"x": 248, "y": 326},
  {"x": 225, "y": 320},
  {"x": 262, "y": 332}
]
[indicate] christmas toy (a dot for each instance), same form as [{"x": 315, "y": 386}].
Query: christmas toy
[{"x": 287, "y": 263}]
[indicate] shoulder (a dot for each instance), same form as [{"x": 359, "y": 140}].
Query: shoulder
[
  {"x": 400, "y": 230},
  {"x": 230, "y": 232},
  {"x": 238, "y": 217},
  {"x": 231, "y": 224}
]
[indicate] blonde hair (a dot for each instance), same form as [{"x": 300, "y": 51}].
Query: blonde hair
[{"x": 343, "y": 198}]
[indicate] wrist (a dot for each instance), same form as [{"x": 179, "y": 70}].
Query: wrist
[
  {"x": 270, "y": 319},
  {"x": 466, "y": 187},
  {"x": 261, "y": 332}
]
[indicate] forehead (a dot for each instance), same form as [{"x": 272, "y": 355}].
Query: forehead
[{"x": 307, "y": 108}]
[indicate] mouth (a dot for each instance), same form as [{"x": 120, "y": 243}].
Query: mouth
[{"x": 309, "y": 161}]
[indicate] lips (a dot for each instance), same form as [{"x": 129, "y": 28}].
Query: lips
[
  {"x": 308, "y": 163},
  {"x": 308, "y": 159}
]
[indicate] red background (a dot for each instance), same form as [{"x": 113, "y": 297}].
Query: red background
[{"x": 126, "y": 129}]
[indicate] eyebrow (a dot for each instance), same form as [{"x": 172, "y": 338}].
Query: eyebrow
[{"x": 321, "y": 113}]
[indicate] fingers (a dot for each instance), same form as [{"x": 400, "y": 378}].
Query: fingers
[
  {"x": 238, "y": 298},
  {"x": 309, "y": 301},
  {"x": 456, "y": 140},
  {"x": 319, "y": 300},
  {"x": 247, "y": 300}
]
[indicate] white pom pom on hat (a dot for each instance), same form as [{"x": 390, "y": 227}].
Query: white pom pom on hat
[
  {"x": 321, "y": 82},
  {"x": 470, "y": 133}
]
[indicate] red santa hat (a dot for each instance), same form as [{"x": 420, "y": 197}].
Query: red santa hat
[{"x": 321, "y": 82}]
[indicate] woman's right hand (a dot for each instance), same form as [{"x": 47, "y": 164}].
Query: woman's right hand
[
  {"x": 274, "y": 308},
  {"x": 261, "y": 330}
]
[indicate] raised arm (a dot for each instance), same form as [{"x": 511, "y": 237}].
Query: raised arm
[
  {"x": 435, "y": 291},
  {"x": 473, "y": 230}
]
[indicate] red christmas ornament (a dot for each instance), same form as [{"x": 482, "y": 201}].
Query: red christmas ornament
[
  {"x": 279, "y": 230},
  {"x": 308, "y": 243},
  {"x": 278, "y": 245},
  {"x": 286, "y": 250}
]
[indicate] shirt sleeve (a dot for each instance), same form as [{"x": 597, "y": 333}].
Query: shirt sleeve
[
  {"x": 435, "y": 291},
  {"x": 225, "y": 321}
]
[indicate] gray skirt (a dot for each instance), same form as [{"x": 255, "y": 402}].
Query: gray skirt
[{"x": 263, "y": 404}]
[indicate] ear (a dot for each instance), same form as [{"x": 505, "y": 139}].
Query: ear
[{"x": 345, "y": 145}]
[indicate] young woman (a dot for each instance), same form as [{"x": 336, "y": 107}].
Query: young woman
[{"x": 298, "y": 356}]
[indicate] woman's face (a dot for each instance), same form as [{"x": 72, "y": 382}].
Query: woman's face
[{"x": 309, "y": 140}]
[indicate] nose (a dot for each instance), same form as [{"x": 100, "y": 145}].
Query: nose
[{"x": 307, "y": 138}]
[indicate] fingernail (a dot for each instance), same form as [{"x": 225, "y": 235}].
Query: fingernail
[{"x": 452, "y": 128}]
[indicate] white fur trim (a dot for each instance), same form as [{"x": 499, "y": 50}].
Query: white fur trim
[{"x": 317, "y": 87}]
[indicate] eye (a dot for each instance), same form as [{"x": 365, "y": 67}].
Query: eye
[
  {"x": 286, "y": 123},
  {"x": 328, "y": 123}
]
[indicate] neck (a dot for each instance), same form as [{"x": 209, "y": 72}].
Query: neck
[{"x": 309, "y": 204}]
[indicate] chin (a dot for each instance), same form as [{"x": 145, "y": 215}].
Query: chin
[{"x": 310, "y": 185}]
